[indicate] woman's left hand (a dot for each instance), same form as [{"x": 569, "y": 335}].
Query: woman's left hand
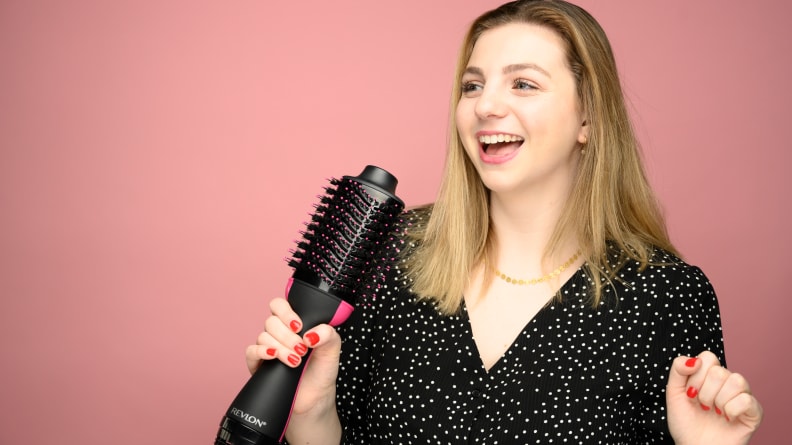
[{"x": 708, "y": 404}]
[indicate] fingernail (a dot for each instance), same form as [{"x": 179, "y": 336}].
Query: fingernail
[
  {"x": 705, "y": 407},
  {"x": 691, "y": 362},
  {"x": 293, "y": 359},
  {"x": 717, "y": 411},
  {"x": 312, "y": 337},
  {"x": 300, "y": 349},
  {"x": 271, "y": 352},
  {"x": 692, "y": 392},
  {"x": 295, "y": 325}
]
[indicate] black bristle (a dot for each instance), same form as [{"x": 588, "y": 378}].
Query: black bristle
[{"x": 347, "y": 229}]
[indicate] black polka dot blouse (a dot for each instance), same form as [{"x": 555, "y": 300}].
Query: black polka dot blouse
[{"x": 575, "y": 375}]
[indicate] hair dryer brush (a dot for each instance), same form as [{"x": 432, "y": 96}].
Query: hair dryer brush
[{"x": 351, "y": 223}]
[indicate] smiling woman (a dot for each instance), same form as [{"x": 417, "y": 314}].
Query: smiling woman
[
  {"x": 607, "y": 337},
  {"x": 156, "y": 159},
  {"x": 535, "y": 102}
]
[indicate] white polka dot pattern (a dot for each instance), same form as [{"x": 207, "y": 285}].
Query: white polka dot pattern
[{"x": 574, "y": 375}]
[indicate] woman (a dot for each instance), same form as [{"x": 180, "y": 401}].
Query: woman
[{"x": 539, "y": 299}]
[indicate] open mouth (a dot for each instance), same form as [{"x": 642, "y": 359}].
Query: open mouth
[{"x": 500, "y": 144}]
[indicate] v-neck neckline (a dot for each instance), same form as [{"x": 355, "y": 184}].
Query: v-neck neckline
[{"x": 551, "y": 305}]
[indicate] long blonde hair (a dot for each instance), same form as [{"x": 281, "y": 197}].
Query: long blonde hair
[{"x": 610, "y": 206}]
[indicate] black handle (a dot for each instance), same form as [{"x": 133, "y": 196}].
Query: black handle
[{"x": 264, "y": 403}]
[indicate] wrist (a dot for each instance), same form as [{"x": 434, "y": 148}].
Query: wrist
[{"x": 318, "y": 425}]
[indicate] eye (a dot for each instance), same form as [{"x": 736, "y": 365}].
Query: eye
[
  {"x": 470, "y": 88},
  {"x": 522, "y": 84}
]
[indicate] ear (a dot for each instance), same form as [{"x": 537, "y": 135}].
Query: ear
[{"x": 583, "y": 133}]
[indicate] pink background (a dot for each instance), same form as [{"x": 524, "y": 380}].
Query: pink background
[{"x": 157, "y": 160}]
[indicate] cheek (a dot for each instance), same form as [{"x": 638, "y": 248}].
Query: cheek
[
  {"x": 464, "y": 120},
  {"x": 465, "y": 114},
  {"x": 461, "y": 115},
  {"x": 561, "y": 125}
]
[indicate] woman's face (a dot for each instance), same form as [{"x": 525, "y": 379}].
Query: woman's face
[{"x": 519, "y": 116}]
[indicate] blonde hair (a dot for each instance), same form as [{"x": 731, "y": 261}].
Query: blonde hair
[{"x": 611, "y": 206}]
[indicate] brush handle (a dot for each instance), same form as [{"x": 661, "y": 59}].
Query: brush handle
[{"x": 263, "y": 406}]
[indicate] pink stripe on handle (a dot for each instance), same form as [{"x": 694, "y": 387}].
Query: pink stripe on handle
[
  {"x": 342, "y": 313},
  {"x": 288, "y": 286}
]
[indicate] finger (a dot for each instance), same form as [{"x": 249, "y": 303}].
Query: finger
[
  {"x": 269, "y": 347},
  {"x": 289, "y": 346},
  {"x": 711, "y": 387},
  {"x": 322, "y": 336},
  {"x": 744, "y": 408},
  {"x": 279, "y": 329},
  {"x": 695, "y": 381},
  {"x": 681, "y": 369},
  {"x": 734, "y": 386},
  {"x": 256, "y": 353},
  {"x": 283, "y": 310}
]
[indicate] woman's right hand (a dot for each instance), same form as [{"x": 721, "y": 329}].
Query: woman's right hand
[{"x": 280, "y": 341}]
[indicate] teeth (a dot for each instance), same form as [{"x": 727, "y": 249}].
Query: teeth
[{"x": 494, "y": 138}]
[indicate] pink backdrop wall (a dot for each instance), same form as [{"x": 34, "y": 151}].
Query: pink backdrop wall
[{"x": 157, "y": 160}]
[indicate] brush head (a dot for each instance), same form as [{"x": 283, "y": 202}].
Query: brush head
[{"x": 351, "y": 224}]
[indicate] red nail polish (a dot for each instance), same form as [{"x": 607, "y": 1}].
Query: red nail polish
[
  {"x": 295, "y": 325},
  {"x": 300, "y": 349},
  {"x": 691, "y": 362},
  {"x": 271, "y": 352},
  {"x": 293, "y": 359},
  {"x": 692, "y": 392},
  {"x": 312, "y": 337},
  {"x": 705, "y": 407},
  {"x": 717, "y": 411}
]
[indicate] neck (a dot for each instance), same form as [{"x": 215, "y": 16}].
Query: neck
[{"x": 523, "y": 226}]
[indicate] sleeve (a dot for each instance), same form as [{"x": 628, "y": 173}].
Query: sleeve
[
  {"x": 689, "y": 323},
  {"x": 693, "y": 322}
]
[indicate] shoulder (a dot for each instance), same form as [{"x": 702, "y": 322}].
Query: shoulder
[
  {"x": 668, "y": 270},
  {"x": 662, "y": 269},
  {"x": 666, "y": 280}
]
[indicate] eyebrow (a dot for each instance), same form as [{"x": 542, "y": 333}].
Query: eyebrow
[{"x": 508, "y": 69}]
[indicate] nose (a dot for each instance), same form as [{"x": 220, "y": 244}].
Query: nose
[{"x": 490, "y": 104}]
